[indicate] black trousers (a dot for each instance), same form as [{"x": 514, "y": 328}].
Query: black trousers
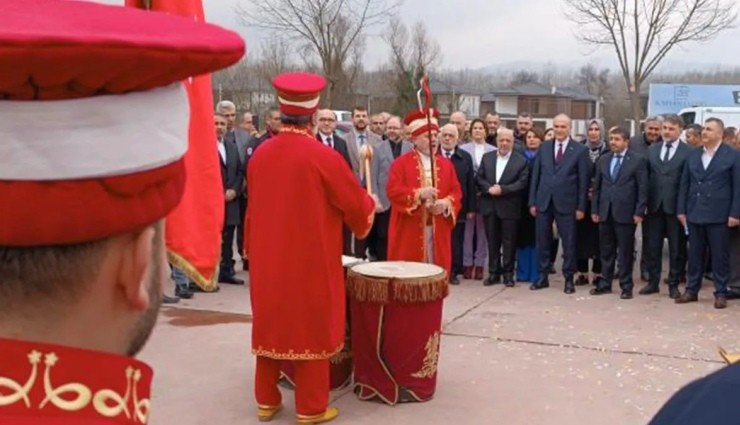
[
  {"x": 567, "y": 229},
  {"x": 458, "y": 236},
  {"x": 377, "y": 240},
  {"x": 645, "y": 255},
  {"x": 501, "y": 236},
  {"x": 582, "y": 264},
  {"x": 664, "y": 226},
  {"x": 717, "y": 238},
  {"x": 617, "y": 243},
  {"x": 240, "y": 227},
  {"x": 227, "y": 252}
]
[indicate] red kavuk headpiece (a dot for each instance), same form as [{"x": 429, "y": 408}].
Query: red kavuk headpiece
[
  {"x": 418, "y": 123},
  {"x": 93, "y": 117},
  {"x": 298, "y": 92}
]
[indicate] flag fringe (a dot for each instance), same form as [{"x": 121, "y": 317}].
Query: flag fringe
[{"x": 203, "y": 282}]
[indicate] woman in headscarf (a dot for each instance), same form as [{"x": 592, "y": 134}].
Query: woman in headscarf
[
  {"x": 587, "y": 232},
  {"x": 527, "y": 267}
]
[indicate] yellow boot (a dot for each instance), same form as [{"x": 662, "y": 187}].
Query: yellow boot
[
  {"x": 729, "y": 358},
  {"x": 267, "y": 413},
  {"x": 330, "y": 414}
]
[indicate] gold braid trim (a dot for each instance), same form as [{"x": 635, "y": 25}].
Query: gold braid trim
[
  {"x": 450, "y": 202},
  {"x": 401, "y": 291},
  {"x": 206, "y": 284},
  {"x": 293, "y": 355},
  {"x": 414, "y": 201}
]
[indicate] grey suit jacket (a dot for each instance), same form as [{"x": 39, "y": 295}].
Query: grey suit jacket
[
  {"x": 470, "y": 148},
  {"x": 241, "y": 138},
  {"x": 354, "y": 149},
  {"x": 380, "y": 165}
]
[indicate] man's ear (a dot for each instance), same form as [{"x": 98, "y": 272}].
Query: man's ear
[{"x": 135, "y": 260}]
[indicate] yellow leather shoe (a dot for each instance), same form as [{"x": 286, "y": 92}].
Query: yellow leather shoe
[
  {"x": 267, "y": 413},
  {"x": 330, "y": 414}
]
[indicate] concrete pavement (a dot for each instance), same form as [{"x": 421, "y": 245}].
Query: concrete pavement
[{"x": 508, "y": 356}]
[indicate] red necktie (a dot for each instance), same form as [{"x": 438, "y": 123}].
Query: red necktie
[{"x": 559, "y": 154}]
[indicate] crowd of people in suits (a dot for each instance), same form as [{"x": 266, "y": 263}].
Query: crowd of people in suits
[{"x": 530, "y": 195}]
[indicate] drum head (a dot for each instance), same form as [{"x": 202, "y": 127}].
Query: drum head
[
  {"x": 348, "y": 261},
  {"x": 397, "y": 269}
]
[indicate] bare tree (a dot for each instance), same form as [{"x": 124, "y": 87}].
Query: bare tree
[
  {"x": 595, "y": 81},
  {"x": 412, "y": 54},
  {"x": 274, "y": 57},
  {"x": 642, "y": 32},
  {"x": 330, "y": 28},
  {"x": 524, "y": 77}
]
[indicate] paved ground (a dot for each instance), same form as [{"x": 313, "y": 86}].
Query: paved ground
[{"x": 508, "y": 356}]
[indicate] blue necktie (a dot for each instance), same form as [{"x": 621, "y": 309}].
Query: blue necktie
[{"x": 617, "y": 166}]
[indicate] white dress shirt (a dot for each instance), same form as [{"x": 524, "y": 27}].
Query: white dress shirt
[
  {"x": 222, "y": 150},
  {"x": 707, "y": 155},
  {"x": 663, "y": 149},
  {"x": 327, "y": 139},
  {"x": 557, "y": 143},
  {"x": 501, "y": 162},
  {"x": 480, "y": 149}
]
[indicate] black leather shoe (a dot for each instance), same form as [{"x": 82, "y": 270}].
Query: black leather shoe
[
  {"x": 542, "y": 283},
  {"x": 601, "y": 290},
  {"x": 582, "y": 280},
  {"x": 626, "y": 295},
  {"x": 166, "y": 299},
  {"x": 509, "y": 281},
  {"x": 454, "y": 280},
  {"x": 649, "y": 289},
  {"x": 231, "y": 280},
  {"x": 184, "y": 292},
  {"x": 492, "y": 280},
  {"x": 673, "y": 292},
  {"x": 644, "y": 276},
  {"x": 570, "y": 288}
]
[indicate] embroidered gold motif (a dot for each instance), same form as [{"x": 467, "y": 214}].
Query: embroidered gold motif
[
  {"x": 295, "y": 130},
  {"x": 75, "y": 396},
  {"x": 292, "y": 355},
  {"x": 429, "y": 368}
]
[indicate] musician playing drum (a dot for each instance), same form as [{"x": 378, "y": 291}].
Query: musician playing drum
[
  {"x": 300, "y": 194},
  {"x": 423, "y": 211}
]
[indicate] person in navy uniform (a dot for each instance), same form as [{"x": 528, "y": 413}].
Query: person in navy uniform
[
  {"x": 618, "y": 206},
  {"x": 709, "y": 205}
]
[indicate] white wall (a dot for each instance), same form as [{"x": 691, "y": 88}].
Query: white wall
[{"x": 507, "y": 104}]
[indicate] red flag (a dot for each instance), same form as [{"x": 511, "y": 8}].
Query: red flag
[{"x": 193, "y": 231}]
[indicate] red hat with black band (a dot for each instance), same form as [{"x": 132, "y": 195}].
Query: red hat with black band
[{"x": 93, "y": 116}]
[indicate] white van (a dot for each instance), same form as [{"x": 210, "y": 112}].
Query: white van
[{"x": 730, "y": 115}]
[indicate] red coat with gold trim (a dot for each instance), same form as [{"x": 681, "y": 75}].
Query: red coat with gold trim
[
  {"x": 409, "y": 217},
  {"x": 300, "y": 194},
  {"x": 44, "y": 384}
]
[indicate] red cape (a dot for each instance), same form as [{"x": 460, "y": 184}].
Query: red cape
[{"x": 300, "y": 194}]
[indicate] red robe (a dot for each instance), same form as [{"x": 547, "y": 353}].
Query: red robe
[
  {"x": 84, "y": 387},
  {"x": 300, "y": 194},
  {"x": 406, "y": 234}
]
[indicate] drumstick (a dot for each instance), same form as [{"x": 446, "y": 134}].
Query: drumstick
[{"x": 366, "y": 152}]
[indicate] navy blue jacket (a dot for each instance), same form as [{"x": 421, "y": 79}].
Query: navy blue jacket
[
  {"x": 710, "y": 196},
  {"x": 565, "y": 185},
  {"x": 626, "y": 196}
]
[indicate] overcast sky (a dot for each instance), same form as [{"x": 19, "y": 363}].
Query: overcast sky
[{"x": 480, "y": 33}]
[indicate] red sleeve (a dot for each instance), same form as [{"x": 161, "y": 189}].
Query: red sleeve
[
  {"x": 347, "y": 195},
  {"x": 402, "y": 196}
]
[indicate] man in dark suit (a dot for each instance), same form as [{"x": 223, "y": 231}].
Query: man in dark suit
[
  {"x": 502, "y": 177},
  {"x": 463, "y": 163},
  {"x": 327, "y": 121},
  {"x": 618, "y": 205},
  {"x": 709, "y": 204},
  {"x": 666, "y": 160},
  {"x": 640, "y": 144},
  {"x": 240, "y": 138},
  {"x": 560, "y": 180},
  {"x": 232, "y": 177}
]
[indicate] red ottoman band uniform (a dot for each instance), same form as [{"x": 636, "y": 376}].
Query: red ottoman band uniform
[{"x": 86, "y": 157}]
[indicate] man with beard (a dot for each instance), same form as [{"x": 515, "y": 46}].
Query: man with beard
[{"x": 82, "y": 256}]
